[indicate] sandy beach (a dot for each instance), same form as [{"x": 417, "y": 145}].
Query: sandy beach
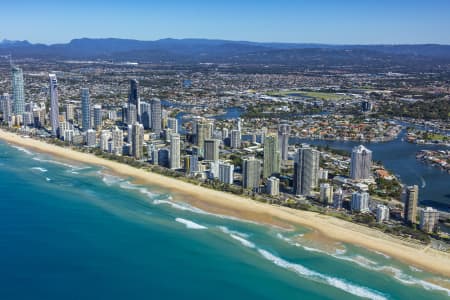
[{"x": 219, "y": 202}]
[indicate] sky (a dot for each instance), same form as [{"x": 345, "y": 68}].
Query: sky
[{"x": 303, "y": 21}]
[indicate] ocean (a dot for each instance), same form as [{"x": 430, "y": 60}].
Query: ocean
[{"x": 74, "y": 231}]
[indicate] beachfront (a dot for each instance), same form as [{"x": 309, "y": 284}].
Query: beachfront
[{"x": 219, "y": 202}]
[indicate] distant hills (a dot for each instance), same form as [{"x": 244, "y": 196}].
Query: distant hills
[{"x": 223, "y": 51}]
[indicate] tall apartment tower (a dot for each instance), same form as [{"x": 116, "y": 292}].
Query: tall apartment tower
[
  {"x": 211, "y": 149},
  {"x": 69, "y": 109},
  {"x": 226, "y": 173},
  {"x": 326, "y": 193},
  {"x": 131, "y": 114},
  {"x": 284, "y": 130},
  {"x": 235, "y": 140},
  {"x": 156, "y": 115},
  {"x": 411, "y": 197},
  {"x": 146, "y": 115},
  {"x": 175, "y": 148},
  {"x": 361, "y": 163},
  {"x": 117, "y": 141},
  {"x": 201, "y": 134},
  {"x": 306, "y": 171},
  {"x": 5, "y": 107},
  {"x": 172, "y": 123},
  {"x": 360, "y": 202},
  {"x": 18, "y": 93},
  {"x": 429, "y": 219},
  {"x": 251, "y": 174},
  {"x": 271, "y": 165},
  {"x": 133, "y": 98},
  {"x": 54, "y": 105},
  {"x": 85, "y": 109},
  {"x": 137, "y": 141},
  {"x": 98, "y": 117}
]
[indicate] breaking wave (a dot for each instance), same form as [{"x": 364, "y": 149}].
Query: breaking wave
[
  {"x": 240, "y": 237},
  {"x": 190, "y": 224},
  {"x": 318, "y": 277}
]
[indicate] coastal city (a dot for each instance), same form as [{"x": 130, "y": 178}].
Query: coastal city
[
  {"x": 223, "y": 150},
  {"x": 238, "y": 133}
]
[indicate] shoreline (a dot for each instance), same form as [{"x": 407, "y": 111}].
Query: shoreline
[{"x": 335, "y": 229}]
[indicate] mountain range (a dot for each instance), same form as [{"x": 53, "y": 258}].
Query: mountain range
[{"x": 224, "y": 51}]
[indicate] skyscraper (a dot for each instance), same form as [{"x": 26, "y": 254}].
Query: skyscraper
[
  {"x": 361, "y": 163},
  {"x": 98, "y": 117},
  {"x": 251, "y": 174},
  {"x": 18, "y": 93},
  {"x": 54, "y": 105},
  {"x": 326, "y": 193},
  {"x": 226, "y": 172},
  {"x": 175, "y": 148},
  {"x": 306, "y": 170},
  {"x": 235, "y": 140},
  {"x": 338, "y": 198},
  {"x": 146, "y": 115},
  {"x": 271, "y": 164},
  {"x": 211, "y": 149},
  {"x": 411, "y": 197},
  {"x": 85, "y": 109},
  {"x": 117, "y": 141},
  {"x": 137, "y": 141},
  {"x": 156, "y": 116},
  {"x": 5, "y": 107},
  {"x": 284, "y": 130},
  {"x": 429, "y": 219},
  {"x": 273, "y": 186},
  {"x": 382, "y": 213},
  {"x": 91, "y": 138},
  {"x": 201, "y": 129},
  {"x": 360, "y": 202},
  {"x": 69, "y": 108},
  {"x": 132, "y": 114},
  {"x": 172, "y": 123},
  {"x": 134, "y": 99}
]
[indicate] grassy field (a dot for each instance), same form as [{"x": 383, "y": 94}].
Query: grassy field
[{"x": 316, "y": 95}]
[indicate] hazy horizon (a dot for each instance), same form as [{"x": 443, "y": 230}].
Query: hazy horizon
[
  {"x": 2, "y": 39},
  {"x": 322, "y": 22}
]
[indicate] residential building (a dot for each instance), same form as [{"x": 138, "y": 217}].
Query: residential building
[
  {"x": 251, "y": 173},
  {"x": 271, "y": 165},
  {"x": 273, "y": 186},
  {"x": 54, "y": 105},
  {"x": 361, "y": 162},
  {"x": 226, "y": 173},
  {"x": 306, "y": 171},
  {"x": 175, "y": 148},
  {"x": 429, "y": 219},
  {"x": 360, "y": 202},
  {"x": 411, "y": 199}
]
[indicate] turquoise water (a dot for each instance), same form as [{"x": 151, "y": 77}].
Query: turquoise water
[{"x": 71, "y": 231}]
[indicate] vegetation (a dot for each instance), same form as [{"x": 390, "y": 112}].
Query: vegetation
[
  {"x": 438, "y": 109},
  {"x": 326, "y": 96}
]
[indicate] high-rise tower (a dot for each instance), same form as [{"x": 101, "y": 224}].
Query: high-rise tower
[
  {"x": 18, "y": 91},
  {"x": 361, "y": 163},
  {"x": 54, "y": 105},
  {"x": 271, "y": 156},
  {"x": 85, "y": 109},
  {"x": 133, "y": 98},
  {"x": 306, "y": 171}
]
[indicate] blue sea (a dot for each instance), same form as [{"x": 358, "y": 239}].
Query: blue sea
[{"x": 75, "y": 231}]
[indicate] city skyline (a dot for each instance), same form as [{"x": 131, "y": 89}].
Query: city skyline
[{"x": 371, "y": 22}]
